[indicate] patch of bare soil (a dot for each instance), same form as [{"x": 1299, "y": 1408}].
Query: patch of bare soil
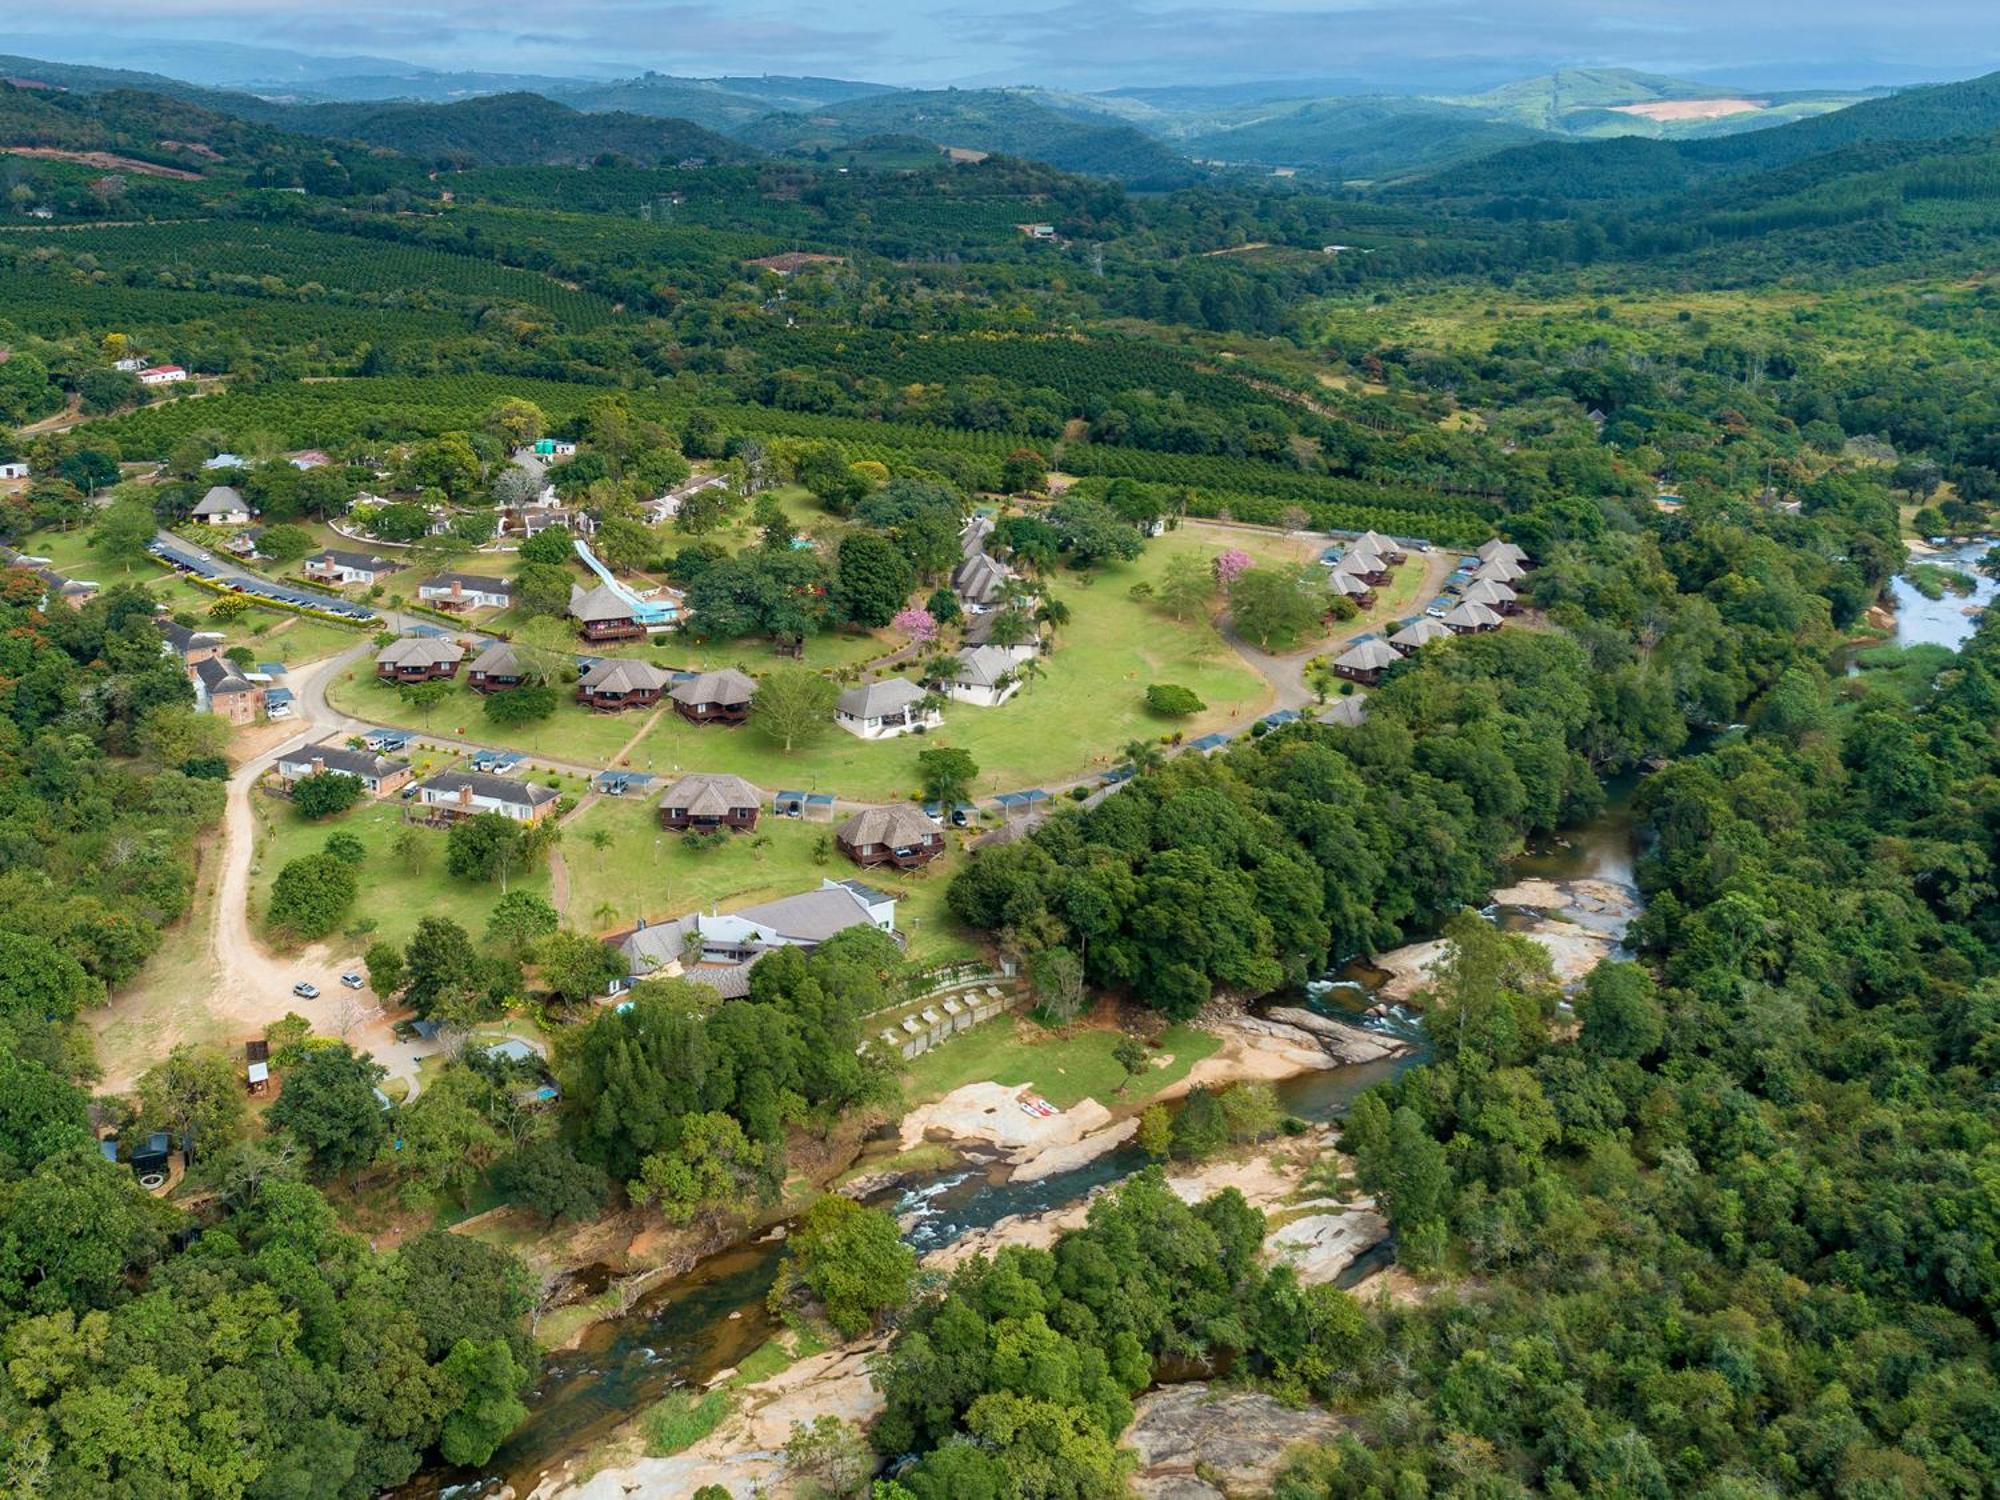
[
  {"x": 103, "y": 159},
  {"x": 1666, "y": 110}
]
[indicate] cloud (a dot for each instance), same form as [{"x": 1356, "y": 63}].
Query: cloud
[
  {"x": 1227, "y": 40},
  {"x": 1099, "y": 43}
]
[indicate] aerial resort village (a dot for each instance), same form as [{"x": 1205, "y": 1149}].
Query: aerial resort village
[{"x": 770, "y": 785}]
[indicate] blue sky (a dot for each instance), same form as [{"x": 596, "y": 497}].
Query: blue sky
[{"x": 1095, "y": 43}]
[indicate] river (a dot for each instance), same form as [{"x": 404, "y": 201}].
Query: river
[
  {"x": 690, "y": 1328},
  {"x": 1948, "y": 621}
]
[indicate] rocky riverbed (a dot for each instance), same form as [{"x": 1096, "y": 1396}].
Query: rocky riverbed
[
  {"x": 1579, "y": 922},
  {"x": 1235, "y": 1436}
]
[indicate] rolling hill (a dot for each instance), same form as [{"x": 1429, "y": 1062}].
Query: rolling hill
[
  {"x": 716, "y": 103},
  {"x": 1006, "y": 121},
  {"x": 1361, "y": 139},
  {"x": 1386, "y": 138},
  {"x": 1634, "y": 168},
  {"x": 498, "y": 130}
]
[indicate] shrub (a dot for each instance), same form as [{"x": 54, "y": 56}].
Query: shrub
[
  {"x": 325, "y": 793},
  {"x": 311, "y": 895},
  {"x": 1173, "y": 700}
]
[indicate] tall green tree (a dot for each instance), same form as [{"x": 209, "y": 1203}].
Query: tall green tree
[
  {"x": 328, "y": 1105},
  {"x": 793, "y": 706}
]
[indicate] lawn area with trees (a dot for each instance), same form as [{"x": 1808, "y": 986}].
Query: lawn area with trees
[
  {"x": 1064, "y": 1069},
  {"x": 641, "y": 869},
  {"x": 1073, "y": 719},
  {"x": 401, "y": 876}
]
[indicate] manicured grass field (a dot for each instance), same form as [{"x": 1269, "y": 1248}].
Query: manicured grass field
[
  {"x": 393, "y": 895},
  {"x": 643, "y": 870},
  {"x": 1070, "y": 723},
  {"x": 1063, "y": 1069},
  {"x": 571, "y": 733}
]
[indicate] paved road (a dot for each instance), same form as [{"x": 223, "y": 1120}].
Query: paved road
[{"x": 228, "y": 567}]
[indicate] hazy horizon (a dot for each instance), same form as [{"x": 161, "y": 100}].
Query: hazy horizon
[{"x": 1394, "y": 45}]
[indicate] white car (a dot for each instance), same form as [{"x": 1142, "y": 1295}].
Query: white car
[{"x": 306, "y": 991}]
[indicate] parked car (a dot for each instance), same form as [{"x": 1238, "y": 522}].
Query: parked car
[
  {"x": 353, "y": 981},
  {"x": 306, "y": 991}
]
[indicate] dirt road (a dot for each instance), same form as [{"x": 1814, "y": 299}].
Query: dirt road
[
  {"x": 1287, "y": 673},
  {"x": 249, "y": 985}
]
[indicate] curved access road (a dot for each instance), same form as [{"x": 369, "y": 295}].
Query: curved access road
[{"x": 248, "y": 984}]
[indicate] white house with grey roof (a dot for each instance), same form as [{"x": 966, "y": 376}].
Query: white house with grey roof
[
  {"x": 379, "y": 774},
  {"x": 340, "y": 566},
  {"x": 985, "y": 675},
  {"x": 223, "y": 505},
  {"x": 457, "y": 591},
  {"x": 717, "y": 948},
  {"x": 466, "y": 794},
  {"x": 885, "y": 709}
]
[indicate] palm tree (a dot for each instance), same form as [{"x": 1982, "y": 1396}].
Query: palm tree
[
  {"x": 1054, "y": 614},
  {"x": 604, "y": 914},
  {"x": 1145, "y": 756},
  {"x": 1028, "y": 671}
]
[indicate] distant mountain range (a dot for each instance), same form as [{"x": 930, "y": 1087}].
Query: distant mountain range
[
  {"x": 1151, "y": 139},
  {"x": 1390, "y": 137}
]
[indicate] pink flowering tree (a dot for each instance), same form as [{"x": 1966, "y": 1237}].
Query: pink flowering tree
[
  {"x": 1231, "y": 565},
  {"x": 917, "y": 624}
]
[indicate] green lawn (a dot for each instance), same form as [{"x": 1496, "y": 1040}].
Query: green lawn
[
  {"x": 1073, "y": 721},
  {"x": 571, "y": 733},
  {"x": 643, "y": 870},
  {"x": 392, "y": 894},
  {"x": 1063, "y": 1069}
]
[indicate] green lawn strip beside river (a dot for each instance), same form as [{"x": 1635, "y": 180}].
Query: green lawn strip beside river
[{"x": 1064, "y": 1069}]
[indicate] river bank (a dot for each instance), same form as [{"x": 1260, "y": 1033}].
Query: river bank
[
  {"x": 1319, "y": 1235},
  {"x": 980, "y": 1170}
]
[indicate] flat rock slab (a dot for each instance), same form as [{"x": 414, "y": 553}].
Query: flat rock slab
[
  {"x": 1235, "y": 1439},
  {"x": 1343, "y": 1043},
  {"x": 1320, "y": 1246},
  {"x": 1053, "y": 1159},
  {"x": 992, "y": 1113}
]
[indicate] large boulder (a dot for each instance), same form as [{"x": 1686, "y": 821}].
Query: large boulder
[
  {"x": 1197, "y": 1443},
  {"x": 1348, "y": 1044}
]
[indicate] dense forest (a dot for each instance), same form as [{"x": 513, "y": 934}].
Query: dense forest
[{"x": 1720, "y": 1224}]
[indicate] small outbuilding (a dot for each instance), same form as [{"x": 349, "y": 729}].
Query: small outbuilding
[
  {"x": 1472, "y": 619},
  {"x": 418, "y": 658},
  {"x": 1366, "y": 660},
  {"x": 620, "y": 683},
  {"x": 1419, "y": 632},
  {"x": 710, "y": 800}
]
